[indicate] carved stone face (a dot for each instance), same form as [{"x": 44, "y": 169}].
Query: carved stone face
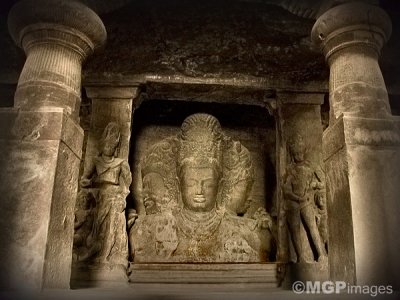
[
  {"x": 199, "y": 187},
  {"x": 239, "y": 196},
  {"x": 109, "y": 147},
  {"x": 298, "y": 154},
  {"x": 154, "y": 190}
]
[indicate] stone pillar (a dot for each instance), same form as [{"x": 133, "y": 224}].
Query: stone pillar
[
  {"x": 298, "y": 114},
  {"x": 361, "y": 147},
  {"x": 108, "y": 104},
  {"x": 41, "y": 142}
]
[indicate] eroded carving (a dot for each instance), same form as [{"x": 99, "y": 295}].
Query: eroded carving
[
  {"x": 84, "y": 215},
  {"x": 108, "y": 178},
  {"x": 305, "y": 205},
  {"x": 194, "y": 187}
]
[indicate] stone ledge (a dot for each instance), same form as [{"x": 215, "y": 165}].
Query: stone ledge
[
  {"x": 301, "y": 98},
  {"x": 205, "y": 273},
  {"x": 112, "y": 93}
]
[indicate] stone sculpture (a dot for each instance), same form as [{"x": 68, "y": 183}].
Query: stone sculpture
[
  {"x": 194, "y": 185},
  {"x": 303, "y": 185},
  {"x": 84, "y": 215},
  {"x": 109, "y": 178}
]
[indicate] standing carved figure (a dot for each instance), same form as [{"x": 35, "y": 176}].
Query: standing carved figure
[
  {"x": 300, "y": 183},
  {"x": 110, "y": 178}
]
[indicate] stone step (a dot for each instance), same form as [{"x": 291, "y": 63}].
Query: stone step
[{"x": 263, "y": 273}]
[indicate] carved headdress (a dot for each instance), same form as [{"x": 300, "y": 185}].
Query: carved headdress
[
  {"x": 201, "y": 142},
  {"x": 111, "y": 135},
  {"x": 237, "y": 167},
  {"x": 237, "y": 164},
  {"x": 296, "y": 144},
  {"x": 161, "y": 159}
]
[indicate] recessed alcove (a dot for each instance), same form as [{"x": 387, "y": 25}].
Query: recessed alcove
[{"x": 252, "y": 125}]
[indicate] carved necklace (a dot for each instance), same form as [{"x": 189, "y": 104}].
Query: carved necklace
[{"x": 198, "y": 226}]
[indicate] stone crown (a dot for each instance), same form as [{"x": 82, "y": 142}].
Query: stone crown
[
  {"x": 350, "y": 17},
  {"x": 55, "y": 14}
]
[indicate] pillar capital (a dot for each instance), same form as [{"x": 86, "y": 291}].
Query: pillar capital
[
  {"x": 352, "y": 24},
  {"x": 351, "y": 37},
  {"x": 57, "y": 36},
  {"x": 66, "y": 23}
]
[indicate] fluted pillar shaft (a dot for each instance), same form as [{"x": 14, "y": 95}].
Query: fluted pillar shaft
[
  {"x": 41, "y": 142},
  {"x": 361, "y": 148}
]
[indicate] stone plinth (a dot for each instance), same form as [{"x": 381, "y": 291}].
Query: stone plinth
[
  {"x": 42, "y": 142},
  {"x": 40, "y": 165},
  {"x": 262, "y": 274},
  {"x": 361, "y": 160}
]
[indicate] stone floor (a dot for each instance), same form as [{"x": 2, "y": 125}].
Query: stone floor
[{"x": 181, "y": 292}]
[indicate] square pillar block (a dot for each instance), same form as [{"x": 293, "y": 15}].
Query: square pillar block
[
  {"x": 41, "y": 152},
  {"x": 362, "y": 159},
  {"x": 111, "y": 104}
]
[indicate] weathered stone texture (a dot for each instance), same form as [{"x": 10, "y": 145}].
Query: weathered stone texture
[
  {"x": 35, "y": 143},
  {"x": 114, "y": 104},
  {"x": 195, "y": 189},
  {"x": 362, "y": 176},
  {"x": 260, "y": 143},
  {"x": 352, "y": 43},
  {"x": 207, "y": 39},
  {"x": 298, "y": 114},
  {"x": 56, "y": 37},
  {"x": 342, "y": 263},
  {"x": 58, "y": 252},
  {"x": 25, "y": 226},
  {"x": 56, "y": 44}
]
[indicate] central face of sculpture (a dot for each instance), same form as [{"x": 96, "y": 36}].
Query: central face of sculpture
[
  {"x": 199, "y": 187},
  {"x": 109, "y": 148},
  {"x": 298, "y": 155}
]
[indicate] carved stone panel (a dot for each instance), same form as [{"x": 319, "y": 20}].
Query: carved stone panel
[
  {"x": 194, "y": 187},
  {"x": 100, "y": 240}
]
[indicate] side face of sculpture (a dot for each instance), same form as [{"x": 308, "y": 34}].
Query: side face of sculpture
[
  {"x": 304, "y": 201},
  {"x": 204, "y": 177},
  {"x": 108, "y": 178},
  {"x": 153, "y": 192}
]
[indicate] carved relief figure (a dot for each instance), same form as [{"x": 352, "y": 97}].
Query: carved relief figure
[
  {"x": 109, "y": 177},
  {"x": 236, "y": 187},
  {"x": 300, "y": 185},
  {"x": 192, "y": 227},
  {"x": 84, "y": 215},
  {"x": 153, "y": 236}
]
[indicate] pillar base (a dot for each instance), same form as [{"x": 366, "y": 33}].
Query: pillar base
[
  {"x": 361, "y": 158},
  {"x": 38, "y": 183},
  {"x": 316, "y": 271}
]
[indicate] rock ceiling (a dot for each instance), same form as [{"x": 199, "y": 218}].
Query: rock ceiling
[{"x": 251, "y": 39}]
